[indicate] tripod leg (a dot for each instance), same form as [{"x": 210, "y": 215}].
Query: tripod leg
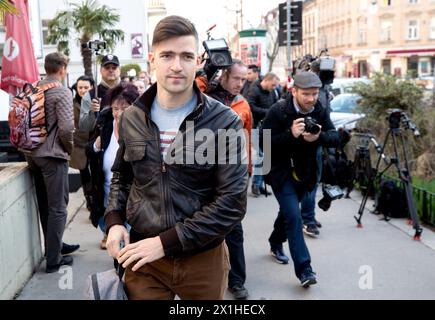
[
  {"x": 370, "y": 183},
  {"x": 413, "y": 211},
  {"x": 406, "y": 178}
]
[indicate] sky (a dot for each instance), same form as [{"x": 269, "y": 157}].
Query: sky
[{"x": 206, "y": 13}]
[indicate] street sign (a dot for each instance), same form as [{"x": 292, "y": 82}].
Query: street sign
[
  {"x": 296, "y": 14},
  {"x": 296, "y": 38},
  {"x": 295, "y": 24}
]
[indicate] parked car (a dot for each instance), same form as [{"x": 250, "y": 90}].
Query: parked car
[
  {"x": 345, "y": 85},
  {"x": 344, "y": 112}
]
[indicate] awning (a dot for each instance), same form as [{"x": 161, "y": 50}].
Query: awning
[{"x": 411, "y": 52}]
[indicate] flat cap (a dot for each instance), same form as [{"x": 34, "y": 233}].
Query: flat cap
[{"x": 307, "y": 80}]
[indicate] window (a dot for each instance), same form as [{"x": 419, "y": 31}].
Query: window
[
  {"x": 386, "y": 66},
  {"x": 432, "y": 28},
  {"x": 45, "y": 32},
  {"x": 362, "y": 31},
  {"x": 413, "y": 30},
  {"x": 386, "y": 30}
]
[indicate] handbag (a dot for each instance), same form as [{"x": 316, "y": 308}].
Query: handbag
[{"x": 107, "y": 285}]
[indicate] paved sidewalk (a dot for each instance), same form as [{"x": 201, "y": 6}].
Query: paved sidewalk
[{"x": 400, "y": 267}]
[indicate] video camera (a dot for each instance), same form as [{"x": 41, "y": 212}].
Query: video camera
[
  {"x": 396, "y": 117},
  {"x": 330, "y": 193},
  {"x": 218, "y": 56},
  {"x": 218, "y": 52},
  {"x": 323, "y": 65},
  {"x": 95, "y": 45}
]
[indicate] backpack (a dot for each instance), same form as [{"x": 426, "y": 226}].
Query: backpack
[
  {"x": 27, "y": 119},
  {"x": 391, "y": 200}
]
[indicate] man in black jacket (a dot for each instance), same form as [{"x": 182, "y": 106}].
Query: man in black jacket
[
  {"x": 294, "y": 170},
  {"x": 260, "y": 98},
  {"x": 179, "y": 208},
  {"x": 252, "y": 76}
]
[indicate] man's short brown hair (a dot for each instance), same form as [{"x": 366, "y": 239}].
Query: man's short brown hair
[
  {"x": 54, "y": 62},
  {"x": 173, "y": 27},
  {"x": 270, "y": 76}
]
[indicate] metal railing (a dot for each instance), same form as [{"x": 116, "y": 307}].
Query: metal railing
[{"x": 425, "y": 203}]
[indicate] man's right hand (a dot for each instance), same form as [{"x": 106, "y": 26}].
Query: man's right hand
[
  {"x": 95, "y": 105},
  {"x": 116, "y": 234},
  {"x": 298, "y": 127}
]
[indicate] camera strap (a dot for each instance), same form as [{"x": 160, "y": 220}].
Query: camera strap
[
  {"x": 329, "y": 164},
  {"x": 293, "y": 170}
]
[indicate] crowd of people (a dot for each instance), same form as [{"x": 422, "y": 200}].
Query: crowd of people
[{"x": 177, "y": 227}]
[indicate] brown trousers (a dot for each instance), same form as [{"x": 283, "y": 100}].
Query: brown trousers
[{"x": 203, "y": 276}]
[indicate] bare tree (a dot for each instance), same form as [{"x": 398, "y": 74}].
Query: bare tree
[{"x": 272, "y": 27}]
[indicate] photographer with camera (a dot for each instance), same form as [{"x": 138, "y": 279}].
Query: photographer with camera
[
  {"x": 96, "y": 100},
  {"x": 323, "y": 66},
  {"x": 299, "y": 125},
  {"x": 228, "y": 92}
]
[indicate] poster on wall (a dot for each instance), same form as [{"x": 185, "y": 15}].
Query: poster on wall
[
  {"x": 252, "y": 48},
  {"x": 251, "y": 54},
  {"x": 137, "y": 45}
]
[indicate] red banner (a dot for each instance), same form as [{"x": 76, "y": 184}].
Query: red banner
[{"x": 19, "y": 64}]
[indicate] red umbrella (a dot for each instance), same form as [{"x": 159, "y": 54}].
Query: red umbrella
[{"x": 19, "y": 64}]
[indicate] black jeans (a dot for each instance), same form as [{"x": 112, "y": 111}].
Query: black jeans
[
  {"x": 234, "y": 240},
  {"x": 52, "y": 193}
]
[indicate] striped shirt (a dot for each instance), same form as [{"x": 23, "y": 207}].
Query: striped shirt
[{"x": 169, "y": 121}]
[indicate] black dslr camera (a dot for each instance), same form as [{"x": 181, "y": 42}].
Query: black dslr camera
[
  {"x": 97, "y": 45},
  {"x": 330, "y": 193},
  {"x": 311, "y": 126}
]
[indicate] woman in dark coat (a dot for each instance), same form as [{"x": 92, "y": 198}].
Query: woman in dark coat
[{"x": 103, "y": 147}]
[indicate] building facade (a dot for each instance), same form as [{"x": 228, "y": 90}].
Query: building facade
[
  {"x": 392, "y": 36},
  {"x": 134, "y": 49}
]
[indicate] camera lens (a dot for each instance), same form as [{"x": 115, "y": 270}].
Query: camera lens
[
  {"x": 219, "y": 59},
  {"x": 311, "y": 126}
]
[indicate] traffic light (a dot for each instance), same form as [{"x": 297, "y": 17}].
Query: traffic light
[{"x": 296, "y": 23}]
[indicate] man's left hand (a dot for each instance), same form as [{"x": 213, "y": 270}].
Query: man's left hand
[
  {"x": 309, "y": 137},
  {"x": 142, "y": 252}
]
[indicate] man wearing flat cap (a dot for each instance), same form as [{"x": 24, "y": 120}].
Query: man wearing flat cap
[
  {"x": 96, "y": 100},
  {"x": 294, "y": 169}
]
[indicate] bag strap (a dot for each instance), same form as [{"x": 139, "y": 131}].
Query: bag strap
[
  {"x": 119, "y": 270},
  {"x": 95, "y": 287},
  {"x": 48, "y": 86},
  {"x": 329, "y": 164}
]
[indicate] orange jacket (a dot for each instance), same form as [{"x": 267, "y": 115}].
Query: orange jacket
[{"x": 241, "y": 107}]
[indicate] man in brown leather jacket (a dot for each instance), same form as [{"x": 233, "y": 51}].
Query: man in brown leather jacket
[{"x": 181, "y": 208}]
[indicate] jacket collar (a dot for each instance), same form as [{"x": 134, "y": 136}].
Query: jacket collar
[
  {"x": 145, "y": 101},
  {"x": 291, "y": 109}
]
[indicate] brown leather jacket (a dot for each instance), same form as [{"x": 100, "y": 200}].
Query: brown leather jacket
[{"x": 190, "y": 206}]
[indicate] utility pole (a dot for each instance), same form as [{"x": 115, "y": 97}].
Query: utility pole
[
  {"x": 289, "y": 39},
  {"x": 241, "y": 14}
]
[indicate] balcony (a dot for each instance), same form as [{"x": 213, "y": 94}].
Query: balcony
[{"x": 156, "y": 6}]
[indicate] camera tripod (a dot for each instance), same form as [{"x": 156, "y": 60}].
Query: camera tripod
[
  {"x": 396, "y": 134},
  {"x": 362, "y": 164}
]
